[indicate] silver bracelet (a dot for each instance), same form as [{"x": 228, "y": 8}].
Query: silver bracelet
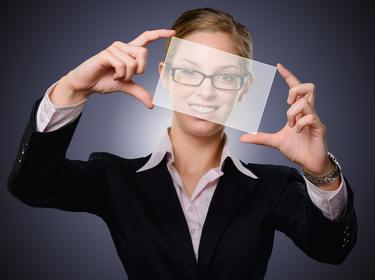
[{"x": 329, "y": 178}]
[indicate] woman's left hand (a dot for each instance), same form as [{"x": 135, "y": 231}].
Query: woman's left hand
[{"x": 303, "y": 138}]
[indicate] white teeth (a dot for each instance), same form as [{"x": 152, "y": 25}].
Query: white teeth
[{"x": 202, "y": 109}]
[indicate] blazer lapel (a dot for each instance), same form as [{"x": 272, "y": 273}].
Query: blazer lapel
[
  {"x": 157, "y": 184},
  {"x": 232, "y": 189}
]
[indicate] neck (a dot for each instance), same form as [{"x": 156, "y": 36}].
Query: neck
[{"x": 194, "y": 155}]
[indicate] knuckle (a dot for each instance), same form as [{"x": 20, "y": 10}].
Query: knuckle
[
  {"x": 289, "y": 114},
  {"x": 141, "y": 70},
  {"x": 106, "y": 51},
  {"x": 311, "y": 86},
  {"x": 103, "y": 53},
  {"x": 143, "y": 51},
  {"x": 303, "y": 101},
  {"x": 116, "y": 43},
  {"x": 291, "y": 91},
  {"x": 146, "y": 33},
  {"x": 110, "y": 48}
]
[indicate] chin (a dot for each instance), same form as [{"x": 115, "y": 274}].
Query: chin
[{"x": 196, "y": 126}]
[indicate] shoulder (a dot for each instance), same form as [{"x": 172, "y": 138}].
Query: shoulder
[
  {"x": 275, "y": 180},
  {"x": 115, "y": 161},
  {"x": 265, "y": 171}
]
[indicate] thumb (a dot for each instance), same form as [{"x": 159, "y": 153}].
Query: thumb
[
  {"x": 138, "y": 92},
  {"x": 259, "y": 138}
]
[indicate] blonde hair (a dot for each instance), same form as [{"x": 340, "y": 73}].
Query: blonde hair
[{"x": 209, "y": 19}]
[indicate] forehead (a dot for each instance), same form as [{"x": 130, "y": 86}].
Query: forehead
[
  {"x": 205, "y": 49},
  {"x": 216, "y": 40}
]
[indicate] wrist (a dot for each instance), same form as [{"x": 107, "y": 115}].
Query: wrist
[
  {"x": 64, "y": 94},
  {"x": 330, "y": 186},
  {"x": 330, "y": 176},
  {"x": 326, "y": 168}
]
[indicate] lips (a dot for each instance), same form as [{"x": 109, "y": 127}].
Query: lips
[{"x": 203, "y": 109}]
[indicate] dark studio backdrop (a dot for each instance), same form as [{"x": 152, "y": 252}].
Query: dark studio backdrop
[{"x": 324, "y": 42}]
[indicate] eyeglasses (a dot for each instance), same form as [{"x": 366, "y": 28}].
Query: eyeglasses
[{"x": 190, "y": 77}]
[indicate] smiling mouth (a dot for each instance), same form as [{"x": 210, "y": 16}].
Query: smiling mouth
[{"x": 203, "y": 109}]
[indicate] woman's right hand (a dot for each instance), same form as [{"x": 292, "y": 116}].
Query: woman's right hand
[{"x": 111, "y": 70}]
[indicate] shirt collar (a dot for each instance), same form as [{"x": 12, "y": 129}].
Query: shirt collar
[{"x": 165, "y": 147}]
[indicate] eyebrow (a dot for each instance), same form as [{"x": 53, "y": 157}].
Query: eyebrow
[{"x": 221, "y": 67}]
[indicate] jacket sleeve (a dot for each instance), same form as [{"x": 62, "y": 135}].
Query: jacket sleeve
[
  {"x": 42, "y": 176},
  {"x": 320, "y": 238}
]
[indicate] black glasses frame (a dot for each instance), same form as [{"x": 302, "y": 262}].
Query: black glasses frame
[{"x": 172, "y": 71}]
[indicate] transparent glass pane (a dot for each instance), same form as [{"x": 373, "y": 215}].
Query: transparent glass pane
[{"x": 214, "y": 85}]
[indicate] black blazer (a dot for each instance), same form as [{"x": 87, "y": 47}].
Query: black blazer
[{"x": 147, "y": 224}]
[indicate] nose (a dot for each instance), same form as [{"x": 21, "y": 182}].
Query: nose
[{"x": 206, "y": 89}]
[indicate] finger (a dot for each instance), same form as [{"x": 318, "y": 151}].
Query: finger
[
  {"x": 260, "y": 138},
  {"x": 140, "y": 54},
  {"x": 109, "y": 59},
  {"x": 131, "y": 67},
  {"x": 306, "y": 90},
  {"x": 289, "y": 78},
  {"x": 309, "y": 120},
  {"x": 301, "y": 107},
  {"x": 138, "y": 92},
  {"x": 150, "y": 36},
  {"x": 130, "y": 63}
]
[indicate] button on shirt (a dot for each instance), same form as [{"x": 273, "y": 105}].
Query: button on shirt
[{"x": 332, "y": 203}]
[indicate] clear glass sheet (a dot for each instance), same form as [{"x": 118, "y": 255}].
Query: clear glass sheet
[{"x": 214, "y": 85}]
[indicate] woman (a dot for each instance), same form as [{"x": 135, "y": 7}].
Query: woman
[{"x": 189, "y": 210}]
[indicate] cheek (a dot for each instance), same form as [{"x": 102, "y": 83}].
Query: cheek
[
  {"x": 227, "y": 100},
  {"x": 179, "y": 97},
  {"x": 179, "y": 91}
]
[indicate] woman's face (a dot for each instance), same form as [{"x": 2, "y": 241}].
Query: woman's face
[{"x": 204, "y": 101}]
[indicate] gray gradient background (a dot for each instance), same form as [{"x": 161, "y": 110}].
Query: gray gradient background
[{"x": 325, "y": 43}]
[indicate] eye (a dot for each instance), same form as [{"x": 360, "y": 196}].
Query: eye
[
  {"x": 226, "y": 77},
  {"x": 187, "y": 71}
]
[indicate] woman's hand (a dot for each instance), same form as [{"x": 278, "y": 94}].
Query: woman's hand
[
  {"x": 303, "y": 138},
  {"x": 111, "y": 70}
]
